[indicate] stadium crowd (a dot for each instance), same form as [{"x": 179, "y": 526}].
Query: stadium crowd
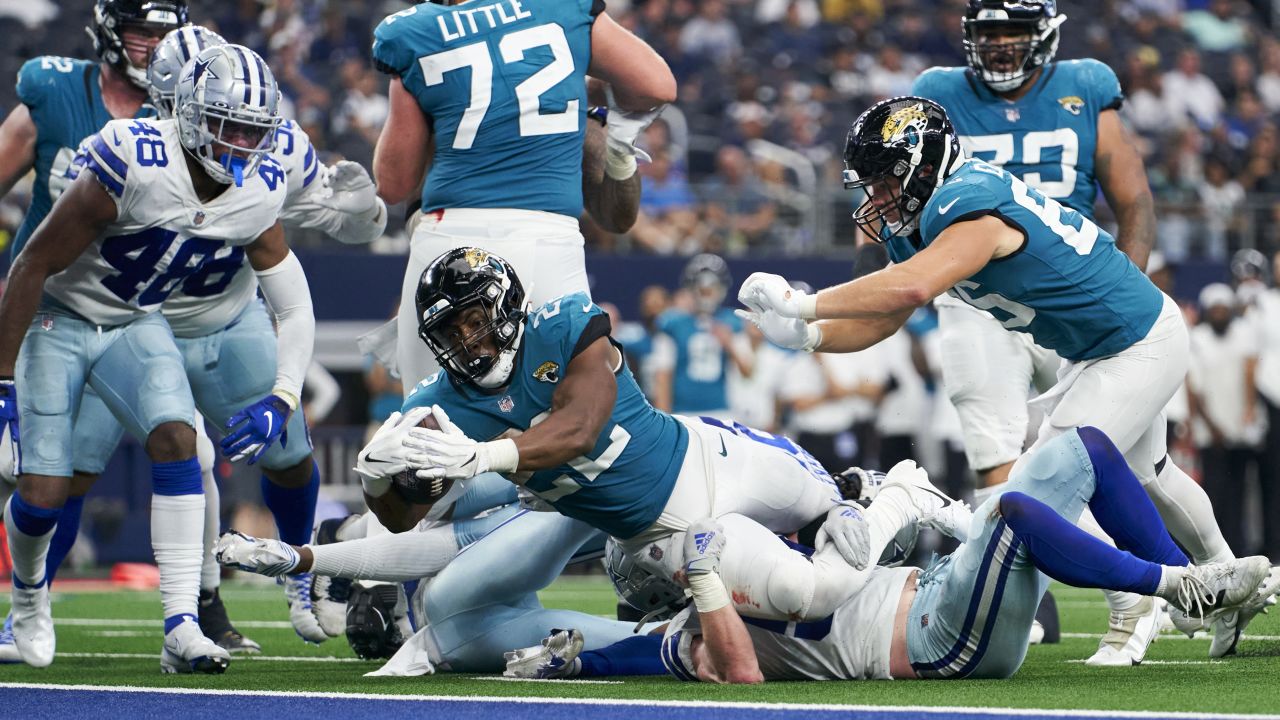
[{"x": 747, "y": 159}]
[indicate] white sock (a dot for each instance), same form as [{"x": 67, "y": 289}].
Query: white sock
[
  {"x": 980, "y": 495},
  {"x": 891, "y": 511},
  {"x": 1170, "y": 578},
  {"x": 1187, "y": 512},
  {"x": 29, "y": 553},
  {"x": 177, "y": 538},
  {"x": 210, "y": 571},
  {"x": 387, "y": 558}
]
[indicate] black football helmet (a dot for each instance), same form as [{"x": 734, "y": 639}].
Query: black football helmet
[
  {"x": 111, "y": 16},
  {"x": 707, "y": 271},
  {"x": 908, "y": 138},
  {"x": 457, "y": 281},
  {"x": 1005, "y": 66}
]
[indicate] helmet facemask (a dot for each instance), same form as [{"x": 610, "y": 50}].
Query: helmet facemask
[
  {"x": 456, "y": 352},
  {"x": 115, "y": 20},
  {"x": 1005, "y": 52}
]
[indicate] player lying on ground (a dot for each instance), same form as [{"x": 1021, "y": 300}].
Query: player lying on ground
[{"x": 970, "y": 613}]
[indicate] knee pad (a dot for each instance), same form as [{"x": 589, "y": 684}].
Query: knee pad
[{"x": 790, "y": 589}]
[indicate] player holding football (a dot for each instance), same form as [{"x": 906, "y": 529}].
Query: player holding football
[
  {"x": 64, "y": 101},
  {"x": 157, "y": 204},
  {"x": 1056, "y": 126},
  {"x": 493, "y": 97},
  {"x": 958, "y": 224}
]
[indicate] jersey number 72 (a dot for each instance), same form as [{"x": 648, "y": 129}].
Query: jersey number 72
[{"x": 512, "y": 48}]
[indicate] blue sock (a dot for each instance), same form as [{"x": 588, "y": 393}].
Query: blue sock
[
  {"x": 293, "y": 508},
  {"x": 174, "y": 621},
  {"x": 640, "y": 655},
  {"x": 1066, "y": 553},
  {"x": 1123, "y": 508},
  {"x": 64, "y": 537},
  {"x": 181, "y": 477}
]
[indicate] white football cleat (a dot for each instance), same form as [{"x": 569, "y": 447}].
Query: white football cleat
[
  {"x": 1212, "y": 590},
  {"x": 1228, "y": 628},
  {"x": 9, "y": 654},
  {"x": 187, "y": 650},
  {"x": 1037, "y": 633},
  {"x": 1129, "y": 634},
  {"x": 555, "y": 658},
  {"x": 256, "y": 555},
  {"x": 297, "y": 592},
  {"x": 33, "y": 626},
  {"x": 936, "y": 509},
  {"x": 329, "y": 603}
]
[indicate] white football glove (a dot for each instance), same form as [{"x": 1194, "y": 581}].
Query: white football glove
[
  {"x": 622, "y": 129},
  {"x": 703, "y": 545},
  {"x": 792, "y": 333},
  {"x": 351, "y": 189},
  {"x": 384, "y": 456},
  {"x": 846, "y": 527},
  {"x": 765, "y": 291},
  {"x": 448, "y": 453}
]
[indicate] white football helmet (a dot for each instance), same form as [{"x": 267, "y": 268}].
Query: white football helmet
[
  {"x": 173, "y": 52},
  {"x": 226, "y": 104}
]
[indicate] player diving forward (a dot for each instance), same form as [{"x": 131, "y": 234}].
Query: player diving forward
[
  {"x": 64, "y": 101},
  {"x": 1056, "y": 126},
  {"x": 487, "y": 92},
  {"x": 968, "y": 615},
  {"x": 155, "y": 206},
  {"x": 959, "y": 225}
]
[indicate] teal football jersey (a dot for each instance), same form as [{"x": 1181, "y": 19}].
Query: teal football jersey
[
  {"x": 1067, "y": 286},
  {"x": 620, "y": 487},
  {"x": 66, "y": 107},
  {"x": 504, "y": 84},
  {"x": 1047, "y": 138},
  {"x": 700, "y": 380}
]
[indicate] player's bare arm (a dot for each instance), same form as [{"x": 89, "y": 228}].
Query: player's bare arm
[
  {"x": 640, "y": 77},
  {"x": 77, "y": 219},
  {"x": 400, "y": 157},
  {"x": 1123, "y": 178},
  {"x": 17, "y": 147},
  {"x": 724, "y": 654},
  {"x": 579, "y": 410},
  {"x": 613, "y": 204}
]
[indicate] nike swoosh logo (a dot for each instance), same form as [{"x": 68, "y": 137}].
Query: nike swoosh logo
[
  {"x": 270, "y": 422},
  {"x": 373, "y": 459},
  {"x": 723, "y": 451},
  {"x": 943, "y": 210}
]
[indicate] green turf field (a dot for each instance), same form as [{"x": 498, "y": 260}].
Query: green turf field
[{"x": 113, "y": 638}]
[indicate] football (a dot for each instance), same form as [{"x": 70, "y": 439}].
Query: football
[{"x": 418, "y": 491}]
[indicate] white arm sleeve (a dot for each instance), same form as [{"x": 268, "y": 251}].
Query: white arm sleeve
[
  {"x": 285, "y": 289},
  {"x": 388, "y": 558}
]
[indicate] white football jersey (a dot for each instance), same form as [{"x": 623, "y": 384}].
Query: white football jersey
[
  {"x": 164, "y": 237},
  {"x": 853, "y": 644},
  {"x": 197, "y": 315}
]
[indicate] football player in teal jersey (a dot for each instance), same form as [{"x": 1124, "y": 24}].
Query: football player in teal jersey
[
  {"x": 1056, "y": 126},
  {"x": 64, "y": 101},
  {"x": 959, "y": 225},
  {"x": 493, "y": 97}
]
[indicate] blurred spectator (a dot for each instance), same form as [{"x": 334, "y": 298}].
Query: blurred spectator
[
  {"x": 1224, "y": 359},
  {"x": 1269, "y": 81},
  {"x": 832, "y": 400},
  {"x": 1221, "y": 198},
  {"x": 738, "y": 208},
  {"x": 668, "y": 210},
  {"x": 1264, "y": 317},
  {"x": 648, "y": 350},
  {"x": 1217, "y": 29},
  {"x": 891, "y": 76},
  {"x": 806, "y": 12},
  {"x": 711, "y": 35},
  {"x": 1190, "y": 93},
  {"x": 386, "y": 395}
]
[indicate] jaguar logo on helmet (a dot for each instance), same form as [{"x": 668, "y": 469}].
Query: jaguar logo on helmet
[
  {"x": 476, "y": 257},
  {"x": 905, "y": 125}
]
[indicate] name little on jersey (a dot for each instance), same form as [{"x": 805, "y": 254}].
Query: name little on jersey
[{"x": 502, "y": 13}]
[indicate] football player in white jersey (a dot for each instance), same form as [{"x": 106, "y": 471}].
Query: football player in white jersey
[
  {"x": 158, "y": 204},
  {"x": 969, "y": 614},
  {"x": 216, "y": 328}
]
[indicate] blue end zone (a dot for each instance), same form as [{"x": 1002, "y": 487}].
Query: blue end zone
[{"x": 35, "y": 702}]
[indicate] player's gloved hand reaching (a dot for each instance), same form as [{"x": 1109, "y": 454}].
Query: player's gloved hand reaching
[
  {"x": 622, "y": 128},
  {"x": 846, "y": 528},
  {"x": 448, "y": 452},
  {"x": 353, "y": 190},
  {"x": 384, "y": 456},
  {"x": 11, "y": 447},
  {"x": 792, "y": 333},
  {"x": 252, "y": 430},
  {"x": 764, "y": 292}
]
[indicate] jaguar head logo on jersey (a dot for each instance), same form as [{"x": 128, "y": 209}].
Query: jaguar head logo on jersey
[
  {"x": 168, "y": 60},
  {"x": 898, "y": 152},
  {"x": 1007, "y": 41},
  {"x": 1072, "y": 104},
  {"x": 226, "y": 103},
  {"x": 471, "y": 310},
  {"x": 547, "y": 372},
  {"x": 113, "y": 19}
]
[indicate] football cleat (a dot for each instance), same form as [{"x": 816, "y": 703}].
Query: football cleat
[
  {"x": 33, "y": 626},
  {"x": 936, "y": 510},
  {"x": 1129, "y": 634},
  {"x": 187, "y": 650},
  {"x": 329, "y": 595},
  {"x": 256, "y": 555},
  {"x": 371, "y": 625},
  {"x": 8, "y": 648},
  {"x": 1037, "y": 633},
  {"x": 1228, "y": 629},
  {"x": 297, "y": 592},
  {"x": 216, "y": 626},
  {"x": 1212, "y": 590},
  {"x": 554, "y": 659}
]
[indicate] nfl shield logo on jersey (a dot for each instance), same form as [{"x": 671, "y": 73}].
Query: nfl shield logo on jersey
[
  {"x": 198, "y": 219},
  {"x": 1012, "y": 114},
  {"x": 506, "y": 404},
  {"x": 46, "y": 323}
]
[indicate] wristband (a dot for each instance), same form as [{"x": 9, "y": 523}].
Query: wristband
[
  {"x": 502, "y": 456},
  {"x": 618, "y": 165},
  {"x": 808, "y": 307},
  {"x": 812, "y": 337},
  {"x": 289, "y": 398},
  {"x": 708, "y": 592}
]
